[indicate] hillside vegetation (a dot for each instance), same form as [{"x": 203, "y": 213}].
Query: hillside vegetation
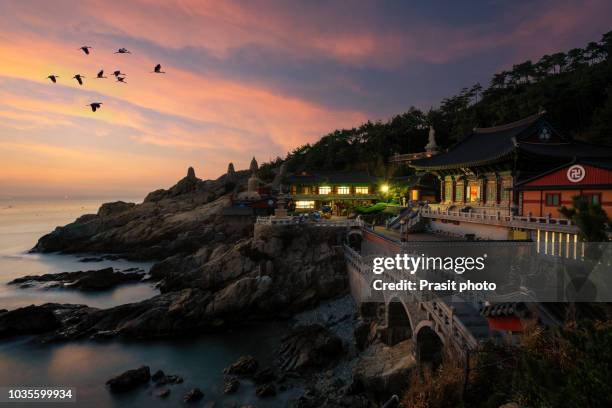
[{"x": 574, "y": 87}]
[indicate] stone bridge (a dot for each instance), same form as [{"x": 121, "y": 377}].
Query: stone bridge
[{"x": 432, "y": 323}]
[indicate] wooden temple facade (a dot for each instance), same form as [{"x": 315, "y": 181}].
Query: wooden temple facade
[{"x": 483, "y": 171}]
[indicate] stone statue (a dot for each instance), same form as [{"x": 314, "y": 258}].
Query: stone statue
[
  {"x": 191, "y": 173},
  {"x": 230, "y": 177},
  {"x": 432, "y": 146},
  {"x": 252, "y": 184},
  {"x": 278, "y": 178},
  {"x": 254, "y": 166}
]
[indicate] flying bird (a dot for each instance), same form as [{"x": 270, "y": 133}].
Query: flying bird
[
  {"x": 79, "y": 78},
  {"x": 122, "y": 51},
  {"x": 101, "y": 74},
  {"x": 94, "y": 106},
  {"x": 117, "y": 73},
  {"x": 157, "y": 70},
  {"x": 53, "y": 78},
  {"x": 121, "y": 79},
  {"x": 85, "y": 49}
]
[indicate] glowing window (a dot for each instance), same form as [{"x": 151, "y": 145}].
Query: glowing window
[
  {"x": 414, "y": 195},
  {"x": 362, "y": 190},
  {"x": 344, "y": 190},
  {"x": 324, "y": 190},
  {"x": 304, "y": 205}
]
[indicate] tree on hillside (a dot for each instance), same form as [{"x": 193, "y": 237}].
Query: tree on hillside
[{"x": 591, "y": 219}]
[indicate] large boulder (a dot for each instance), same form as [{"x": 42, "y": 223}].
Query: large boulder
[
  {"x": 310, "y": 347},
  {"x": 27, "y": 320},
  {"x": 385, "y": 372},
  {"x": 130, "y": 379},
  {"x": 244, "y": 366}
]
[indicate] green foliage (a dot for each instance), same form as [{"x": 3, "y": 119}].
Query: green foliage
[
  {"x": 590, "y": 219},
  {"x": 376, "y": 208},
  {"x": 569, "y": 369},
  {"x": 573, "y": 87}
]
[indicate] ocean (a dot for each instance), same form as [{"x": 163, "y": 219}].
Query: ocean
[{"x": 85, "y": 365}]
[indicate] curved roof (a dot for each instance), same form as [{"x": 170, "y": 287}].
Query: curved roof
[{"x": 489, "y": 145}]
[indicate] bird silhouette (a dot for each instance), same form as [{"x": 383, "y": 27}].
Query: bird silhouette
[
  {"x": 53, "y": 78},
  {"x": 79, "y": 78},
  {"x": 101, "y": 74},
  {"x": 121, "y": 79},
  {"x": 94, "y": 106},
  {"x": 157, "y": 70},
  {"x": 122, "y": 51},
  {"x": 85, "y": 49},
  {"x": 117, "y": 73}
]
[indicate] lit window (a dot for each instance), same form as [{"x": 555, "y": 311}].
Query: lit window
[
  {"x": 362, "y": 190},
  {"x": 344, "y": 190},
  {"x": 414, "y": 195},
  {"x": 324, "y": 190},
  {"x": 304, "y": 205},
  {"x": 474, "y": 193}
]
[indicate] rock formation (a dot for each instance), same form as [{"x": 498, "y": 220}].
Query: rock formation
[
  {"x": 96, "y": 280},
  {"x": 174, "y": 221}
]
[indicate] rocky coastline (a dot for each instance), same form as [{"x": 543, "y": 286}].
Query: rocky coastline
[{"x": 214, "y": 275}]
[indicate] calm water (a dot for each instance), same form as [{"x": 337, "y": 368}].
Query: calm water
[{"x": 87, "y": 365}]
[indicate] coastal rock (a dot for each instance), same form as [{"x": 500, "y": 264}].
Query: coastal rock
[
  {"x": 158, "y": 377},
  {"x": 163, "y": 393},
  {"x": 304, "y": 265},
  {"x": 265, "y": 391},
  {"x": 309, "y": 347},
  {"x": 194, "y": 395},
  {"x": 257, "y": 278},
  {"x": 27, "y": 320},
  {"x": 129, "y": 380},
  {"x": 244, "y": 366},
  {"x": 386, "y": 371},
  {"x": 168, "y": 222},
  {"x": 230, "y": 385},
  {"x": 95, "y": 280}
]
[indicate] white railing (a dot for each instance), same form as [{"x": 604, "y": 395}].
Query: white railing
[
  {"x": 315, "y": 223},
  {"x": 528, "y": 221}
]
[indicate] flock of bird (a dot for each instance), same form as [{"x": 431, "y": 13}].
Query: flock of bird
[{"x": 119, "y": 76}]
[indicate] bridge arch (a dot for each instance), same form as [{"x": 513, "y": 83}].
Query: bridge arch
[
  {"x": 399, "y": 321},
  {"x": 354, "y": 238},
  {"x": 429, "y": 345}
]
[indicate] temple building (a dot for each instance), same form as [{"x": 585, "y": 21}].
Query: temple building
[
  {"x": 418, "y": 188},
  {"x": 480, "y": 172},
  {"x": 337, "y": 191},
  {"x": 543, "y": 194},
  {"x": 507, "y": 181}
]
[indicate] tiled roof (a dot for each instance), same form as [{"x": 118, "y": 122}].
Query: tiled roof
[
  {"x": 489, "y": 145},
  {"x": 483, "y": 145},
  {"x": 353, "y": 177}
]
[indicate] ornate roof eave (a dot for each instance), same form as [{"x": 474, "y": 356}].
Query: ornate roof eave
[{"x": 489, "y": 161}]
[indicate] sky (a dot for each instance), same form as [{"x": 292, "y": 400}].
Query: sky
[{"x": 243, "y": 79}]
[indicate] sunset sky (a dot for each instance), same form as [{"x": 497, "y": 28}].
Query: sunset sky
[{"x": 243, "y": 78}]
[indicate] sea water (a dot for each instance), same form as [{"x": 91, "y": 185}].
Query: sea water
[{"x": 85, "y": 365}]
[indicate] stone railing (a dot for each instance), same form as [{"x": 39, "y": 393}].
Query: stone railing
[
  {"x": 517, "y": 221},
  {"x": 315, "y": 223},
  {"x": 447, "y": 323}
]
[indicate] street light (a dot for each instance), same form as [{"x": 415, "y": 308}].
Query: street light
[{"x": 384, "y": 188}]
